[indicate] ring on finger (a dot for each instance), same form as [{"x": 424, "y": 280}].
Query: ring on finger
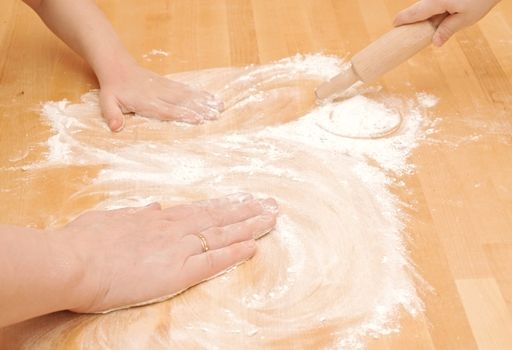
[{"x": 204, "y": 243}]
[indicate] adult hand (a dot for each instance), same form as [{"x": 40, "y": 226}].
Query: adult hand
[
  {"x": 138, "y": 90},
  {"x": 461, "y": 13},
  {"x": 135, "y": 255}
]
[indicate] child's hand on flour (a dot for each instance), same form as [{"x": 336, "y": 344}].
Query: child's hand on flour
[
  {"x": 125, "y": 86},
  {"x": 137, "y": 90},
  {"x": 134, "y": 255},
  {"x": 461, "y": 13}
]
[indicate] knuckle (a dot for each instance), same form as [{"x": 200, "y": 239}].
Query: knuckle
[
  {"x": 213, "y": 216},
  {"x": 437, "y": 6},
  {"x": 216, "y": 231},
  {"x": 161, "y": 225},
  {"x": 224, "y": 240},
  {"x": 445, "y": 32},
  {"x": 246, "y": 232},
  {"x": 411, "y": 13},
  {"x": 216, "y": 236}
]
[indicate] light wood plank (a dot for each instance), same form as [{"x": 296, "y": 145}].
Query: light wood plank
[
  {"x": 461, "y": 222},
  {"x": 487, "y": 313}
]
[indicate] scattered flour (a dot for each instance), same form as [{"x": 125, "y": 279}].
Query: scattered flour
[
  {"x": 427, "y": 100},
  {"x": 155, "y": 53},
  {"x": 334, "y": 271},
  {"x": 360, "y": 118}
]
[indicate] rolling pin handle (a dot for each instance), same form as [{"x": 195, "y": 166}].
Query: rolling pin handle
[{"x": 384, "y": 54}]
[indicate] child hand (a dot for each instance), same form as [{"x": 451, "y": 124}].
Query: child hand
[
  {"x": 138, "y": 90},
  {"x": 462, "y": 13}
]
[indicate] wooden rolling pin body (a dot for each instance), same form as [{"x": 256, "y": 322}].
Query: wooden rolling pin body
[{"x": 384, "y": 54}]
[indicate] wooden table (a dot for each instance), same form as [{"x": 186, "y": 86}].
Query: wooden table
[{"x": 461, "y": 223}]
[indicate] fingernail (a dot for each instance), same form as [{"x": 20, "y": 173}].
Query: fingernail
[
  {"x": 112, "y": 125},
  {"x": 239, "y": 197},
  {"x": 265, "y": 220},
  {"x": 263, "y": 233},
  {"x": 269, "y": 206},
  {"x": 115, "y": 126}
]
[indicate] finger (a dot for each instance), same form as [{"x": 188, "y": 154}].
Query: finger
[
  {"x": 198, "y": 268},
  {"x": 132, "y": 210},
  {"x": 253, "y": 228},
  {"x": 419, "y": 11},
  {"x": 184, "y": 211},
  {"x": 111, "y": 112},
  {"x": 220, "y": 237},
  {"x": 198, "y": 106},
  {"x": 208, "y": 109},
  {"x": 225, "y": 215},
  {"x": 160, "y": 109},
  {"x": 202, "y": 102},
  {"x": 153, "y": 206},
  {"x": 447, "y": 28},
  {"x": 269, "y": 206},
  {"x": 209, "y": 99},
  {"x": 212, "y": 102}
]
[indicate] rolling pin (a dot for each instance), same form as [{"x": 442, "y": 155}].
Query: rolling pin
[{"x": 384, "y": 54}]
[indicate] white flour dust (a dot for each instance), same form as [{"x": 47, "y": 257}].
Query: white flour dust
[
  {"x": 427, "y": 100},
  {"x": 155, "y": 53},
  {"x": 360, "y": 118},
  {"x": 333, "y": 272}
]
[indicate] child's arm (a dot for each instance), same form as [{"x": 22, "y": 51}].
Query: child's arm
[
  {"x": 462, "y": 13},
  {"x": 125, "y": 86}
]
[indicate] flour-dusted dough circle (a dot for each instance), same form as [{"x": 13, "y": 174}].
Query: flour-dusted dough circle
[{"x": 360, "y": 118}]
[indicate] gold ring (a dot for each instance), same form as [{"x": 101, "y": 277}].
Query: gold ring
[{"x": 203, "y": 242}]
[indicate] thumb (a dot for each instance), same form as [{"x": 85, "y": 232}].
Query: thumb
[
  {"x": 447, "y": 28},
  {"x": 111, "y": 112}
]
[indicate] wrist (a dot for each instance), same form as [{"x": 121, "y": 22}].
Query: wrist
[
  {"x": 68, "y": 270},
  {"x": 114, "y": 68}
]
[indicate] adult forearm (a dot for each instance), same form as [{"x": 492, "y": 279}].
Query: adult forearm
[
  {"x": 37, "y": 275},
  {"x": 83, "y": 27},
  {"x": 96, "y": 262}
]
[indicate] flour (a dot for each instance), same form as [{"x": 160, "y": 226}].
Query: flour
[
  {"x": 427, "y": 100},
  {"x": 360, "y": 118},
  {"x": 155, "y": 53},
  {"x": 334, "y": 271}
]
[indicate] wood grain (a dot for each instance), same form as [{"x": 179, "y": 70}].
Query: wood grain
[{"x": 461, "y": 194}]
